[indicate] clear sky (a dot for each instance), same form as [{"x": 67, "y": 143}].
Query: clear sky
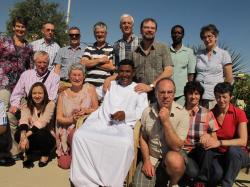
[{"x": 232, "y": 17}]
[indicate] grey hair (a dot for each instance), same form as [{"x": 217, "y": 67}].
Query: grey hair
[
  {"x": 40, "y": 53},
  {"x": 77, "y": 66},
  {"x": 127, "y": 16},
  {"x": 100, "y": 24}
]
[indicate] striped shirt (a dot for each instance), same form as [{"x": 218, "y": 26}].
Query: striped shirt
[
  {"x": 51, "y": 48},
  {"x": 95, "y": 75},
  {"x": 201, "y": 121},
  {"x": 3, "y": 116},
  {"x": 123, "y": 49}
]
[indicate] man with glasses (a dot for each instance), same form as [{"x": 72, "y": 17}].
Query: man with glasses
[
  {"x": 69, "y": 55},
  {"x": 47, "y": 43},
  {"x": 164, "y": 129}
]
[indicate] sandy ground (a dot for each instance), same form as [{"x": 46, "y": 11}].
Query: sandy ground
[{"x": 52, "y": 176}]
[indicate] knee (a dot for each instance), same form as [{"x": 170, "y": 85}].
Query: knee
[
  {"x": 234, "y": 152},
  {"x": 64, "y": 161},
  {"x": 174, "y": 161}
]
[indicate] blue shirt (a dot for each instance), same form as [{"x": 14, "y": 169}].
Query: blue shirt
[
  {"x": 210, "y": 71},
  {"x": 66, "y": 56}
]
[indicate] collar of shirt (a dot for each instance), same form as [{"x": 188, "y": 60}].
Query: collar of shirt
[
  {"x": 41, "y": 77},
  {"x": 50, "y": 43},
  {"x": 230, "y": 109},
  {"x": 183, "y": 48},
  {"x": 95, "y": 45},
  {"x": 140, "y": 48},
  {"x": 132, "y": 39},
  {"x": 194, "y": 111},
  {"x": 174, "y": 107},
  {"x": 77, "y": 48}
]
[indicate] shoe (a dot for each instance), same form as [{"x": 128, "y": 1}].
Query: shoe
[
  {"x": 7, "y": 161},
  {"x": 28, "y": 164},
  {"x": 18, "y": 156},
  {"x": 42, "y": 164}
]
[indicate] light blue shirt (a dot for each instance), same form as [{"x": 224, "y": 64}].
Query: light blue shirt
[
  {"x": 210, "y": 72},
  {"x": 67, "y": 56},
  {"x": 184, "y": 63}
]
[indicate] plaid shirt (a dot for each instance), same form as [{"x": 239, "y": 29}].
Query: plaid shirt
[
  {"x": 150, "y": 66},
  {"x": 123, "y": 49},
  {"x": 201, "y": 121}
]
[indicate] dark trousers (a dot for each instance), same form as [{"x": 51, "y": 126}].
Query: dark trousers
[
  {"x": 223, "y": 167},
  {"x": 40, "y": 141},
  {"x": 5, "y": 143}
]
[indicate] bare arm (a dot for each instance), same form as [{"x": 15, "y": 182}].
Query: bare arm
[
  {"x": 168, "y": 71},
  {"x": 59, "y": 114},
  {"x": 227, "y": 69}
]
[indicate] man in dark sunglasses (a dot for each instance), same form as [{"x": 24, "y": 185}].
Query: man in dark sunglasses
[{"x": 68, "y": 55}]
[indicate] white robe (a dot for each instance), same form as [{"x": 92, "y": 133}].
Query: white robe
[{"x": 103, "y": 149}]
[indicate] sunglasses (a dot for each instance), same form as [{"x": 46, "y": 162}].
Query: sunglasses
[{"x": 74, "y": 35}]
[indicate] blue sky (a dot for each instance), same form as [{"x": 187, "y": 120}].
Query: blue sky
[{"x": 232, "y": 17}]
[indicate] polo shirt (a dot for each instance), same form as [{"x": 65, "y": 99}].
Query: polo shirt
[
  {"x": 150, "y": 66},
  {"x": 153, "y": 130},
  {"x": 184, "y": 62},
  {"x": 67, "y": 56},
  {"x": 229, "y": 128},
  {"x": 95, "y": 75},
  {"x": 210, "y": 72}
]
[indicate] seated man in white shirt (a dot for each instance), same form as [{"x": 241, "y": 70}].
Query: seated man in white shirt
[{"x": 103, "y": 148}]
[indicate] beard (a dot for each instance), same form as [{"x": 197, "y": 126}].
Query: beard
[{"x": 148, "y": 37}]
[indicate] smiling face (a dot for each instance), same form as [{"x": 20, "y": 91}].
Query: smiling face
[
  {"x": 177, "y": 35},
  {"x": 76, "y": 77},
  {"x": 100, "y": 34},
  {"x": 37, "y": 95},
  {"x": 165, "y": 93},
  {"x": 19, "y": 30},
  {"x": 74, "y": 36},
  {"x": 126, "y": 26},
  {"x": 223, "y": 100},
  {"x": 209, "y": 40},
  {"x": 42, "y": 64},
  {"x": 193, "y": 98},
  {"x": 125, "y": 75},
  {"x": 148, "y": 30}
]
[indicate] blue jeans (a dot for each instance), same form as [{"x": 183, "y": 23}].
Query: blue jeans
[{"x": 223, "y": 167}]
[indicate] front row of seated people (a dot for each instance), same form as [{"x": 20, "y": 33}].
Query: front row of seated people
[{"x": 174, "y": 140}]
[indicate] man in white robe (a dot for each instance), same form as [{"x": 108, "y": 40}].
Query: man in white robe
[{"x": 103, "y": 148}]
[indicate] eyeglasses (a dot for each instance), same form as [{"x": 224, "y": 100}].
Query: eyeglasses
[
  {"x": 74, "y": 35},
  {"x": 52, "y": 30}
]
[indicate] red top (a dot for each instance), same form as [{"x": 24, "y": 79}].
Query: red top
[{"x": 228, "y": 129}]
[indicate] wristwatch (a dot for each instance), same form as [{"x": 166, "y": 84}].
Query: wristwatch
[{"x": 152, "y": 86}]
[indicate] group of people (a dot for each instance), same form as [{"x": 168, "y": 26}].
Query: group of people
[{"x": 84, "y": 103}]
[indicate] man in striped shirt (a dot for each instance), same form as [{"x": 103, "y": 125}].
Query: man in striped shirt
[
  {"x": 98, "y": 58},
  {"x": 47, "y": 43}
]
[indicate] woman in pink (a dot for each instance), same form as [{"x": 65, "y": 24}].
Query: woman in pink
[{"x": 78, "y": 100}]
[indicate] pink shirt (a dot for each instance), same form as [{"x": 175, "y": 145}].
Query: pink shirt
[{"x": 27, "y": 79}]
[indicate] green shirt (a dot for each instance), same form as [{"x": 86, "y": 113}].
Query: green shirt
[{"x": 184, "y": 63}]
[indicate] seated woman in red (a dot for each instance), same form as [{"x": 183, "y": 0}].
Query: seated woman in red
[
  {"x": 34, "y": 131},
  {"x": 230, "y": 154}
]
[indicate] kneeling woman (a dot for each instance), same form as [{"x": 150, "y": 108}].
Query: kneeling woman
[
  {"x": 33, "y": 133},
  {"x": 224, "y": 162}
]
